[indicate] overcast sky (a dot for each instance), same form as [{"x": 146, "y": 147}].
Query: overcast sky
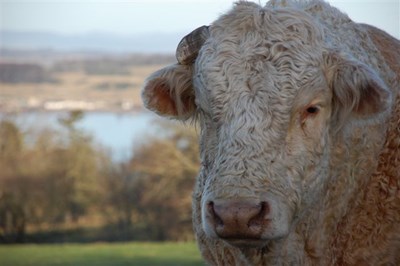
[{"x": 127, "y": 17}]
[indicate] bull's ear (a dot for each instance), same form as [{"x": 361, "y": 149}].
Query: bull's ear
[
  {"x": 358, "y": 92},
  {"x": 169, "y": 92}
]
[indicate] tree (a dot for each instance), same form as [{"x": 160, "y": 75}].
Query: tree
[
  {"x": 81, "y": 166},
  {"x": 11, "y": 144},
  {"x": 12, "y": 218},
  {"x": 149, "y": 196},
  {"x": 49, "y": 182},
  {"x": 166, "y": 169}
]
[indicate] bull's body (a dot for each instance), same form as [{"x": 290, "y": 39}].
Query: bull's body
[{"x": 300, "y": 144}]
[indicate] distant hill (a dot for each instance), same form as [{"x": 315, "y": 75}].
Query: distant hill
[{"x": 101, "y": 42}]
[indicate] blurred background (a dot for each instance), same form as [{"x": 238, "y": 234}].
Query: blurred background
[{"x": 81, "y": 161}]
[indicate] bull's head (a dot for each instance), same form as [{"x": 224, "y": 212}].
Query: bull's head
[{"x": 271, "y": 98}]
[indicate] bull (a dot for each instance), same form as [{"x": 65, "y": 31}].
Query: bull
[{"x": 299, "y": 111}]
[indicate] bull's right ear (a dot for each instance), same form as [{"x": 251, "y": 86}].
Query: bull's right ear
[{"x": 169, "y": 92}]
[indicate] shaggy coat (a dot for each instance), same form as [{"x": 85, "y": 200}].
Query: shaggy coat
[{"x": 299, "y": 111}]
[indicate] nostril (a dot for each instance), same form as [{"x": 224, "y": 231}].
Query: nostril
[
  {"x": 259, "y": 219},
  {"x": 264, "y": 208},
  {"x": 215, "y": 218}
]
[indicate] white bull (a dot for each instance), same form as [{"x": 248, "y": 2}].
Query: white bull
[{"x": 299, "y": 113}]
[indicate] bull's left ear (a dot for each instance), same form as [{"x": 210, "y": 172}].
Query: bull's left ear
[
  {"x": 169, "y": 92},
  {"x": 358, "y": 91}
]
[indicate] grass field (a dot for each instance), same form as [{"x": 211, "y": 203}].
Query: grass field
[{"x": 154, "y": 254}]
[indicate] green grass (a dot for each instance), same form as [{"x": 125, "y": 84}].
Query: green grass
[{"x": 134, "y": 253}]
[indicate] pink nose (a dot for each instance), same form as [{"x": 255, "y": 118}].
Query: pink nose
[{"x": 234, "y": 219}]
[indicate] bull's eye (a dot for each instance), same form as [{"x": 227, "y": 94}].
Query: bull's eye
[{"x": 312, "y": 110}]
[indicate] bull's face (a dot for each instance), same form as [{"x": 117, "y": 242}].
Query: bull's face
[{"x": 269, "y": 97}]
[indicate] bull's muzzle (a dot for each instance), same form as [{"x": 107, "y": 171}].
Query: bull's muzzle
[
  {"x": 238, "y": 222},
  {"x": 249, "y": 222}
]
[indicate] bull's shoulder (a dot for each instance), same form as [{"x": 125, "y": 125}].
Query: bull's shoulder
[{"x": 388, "y": 46}]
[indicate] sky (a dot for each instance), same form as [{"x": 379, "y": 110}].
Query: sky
[{"x": 127, "y": 17}]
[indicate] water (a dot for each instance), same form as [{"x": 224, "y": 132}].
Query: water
[{"x": 117, "y": 132}]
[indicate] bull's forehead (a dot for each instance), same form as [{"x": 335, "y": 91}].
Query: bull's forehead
[
  {"x": 255, "y": 61},
  {"x": 273, "y": 24}
]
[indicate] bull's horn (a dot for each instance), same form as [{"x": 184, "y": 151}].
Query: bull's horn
[{"x": 189, "y": 46}]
